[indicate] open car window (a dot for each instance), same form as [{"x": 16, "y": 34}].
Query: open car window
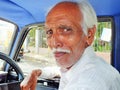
[
  {"x": 36, "y": 54},
  {"x": 104, "y": 38},
  {"x": 7, "y": 33}
]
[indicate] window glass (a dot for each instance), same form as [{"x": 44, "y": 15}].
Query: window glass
[{"x": 7, "y": 31}]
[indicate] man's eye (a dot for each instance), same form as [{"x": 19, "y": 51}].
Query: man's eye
[
  {"x": 67, "y": 29},
  {"x": 49, "y": 33}
]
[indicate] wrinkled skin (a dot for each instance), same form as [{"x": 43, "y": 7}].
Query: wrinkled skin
[{"x": 64, "y": 31}]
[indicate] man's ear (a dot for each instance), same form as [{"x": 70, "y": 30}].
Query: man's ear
[{"x": 91, "y": 34}]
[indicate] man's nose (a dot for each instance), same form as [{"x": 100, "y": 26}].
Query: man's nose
[{"x": 56, "y": 41}]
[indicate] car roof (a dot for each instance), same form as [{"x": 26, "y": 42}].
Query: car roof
[{"x": 31, "y": 11}]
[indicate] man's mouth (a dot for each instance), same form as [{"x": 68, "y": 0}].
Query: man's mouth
[{"x": 59, "y": 55}]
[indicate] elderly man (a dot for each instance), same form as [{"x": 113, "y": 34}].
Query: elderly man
[{"x": 70, "y": 29}]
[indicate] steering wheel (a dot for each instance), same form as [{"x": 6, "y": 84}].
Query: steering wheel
[{"x": 18, "y": 71}]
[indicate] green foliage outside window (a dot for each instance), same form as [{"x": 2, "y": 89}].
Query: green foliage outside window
[{"x": 99, "y": 45}]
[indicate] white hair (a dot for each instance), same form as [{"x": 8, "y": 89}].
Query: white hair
[
  {"x": 88, "y": 13},
  {"x": 89, "y": 16}
]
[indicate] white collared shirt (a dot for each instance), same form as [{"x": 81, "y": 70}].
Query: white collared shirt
[{"x": 90, "y": 73}]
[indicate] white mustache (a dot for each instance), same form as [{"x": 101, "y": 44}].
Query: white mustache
[{"x": 60, "y": 50}]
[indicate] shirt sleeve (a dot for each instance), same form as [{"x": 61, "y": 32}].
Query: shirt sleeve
[{"x": 50, "y": 72}]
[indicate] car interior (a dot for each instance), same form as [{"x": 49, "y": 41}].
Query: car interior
[{"x": 23, "y": 45}]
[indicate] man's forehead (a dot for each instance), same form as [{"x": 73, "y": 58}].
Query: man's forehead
[
  {"x": 64, "y": 6},
  {"x": 65, "y": 9}
]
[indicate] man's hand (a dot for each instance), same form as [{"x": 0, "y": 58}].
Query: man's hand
[{"x": 30, "y": 81}]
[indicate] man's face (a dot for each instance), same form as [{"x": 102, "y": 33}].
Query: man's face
[{"x": 64, "y": 33}]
